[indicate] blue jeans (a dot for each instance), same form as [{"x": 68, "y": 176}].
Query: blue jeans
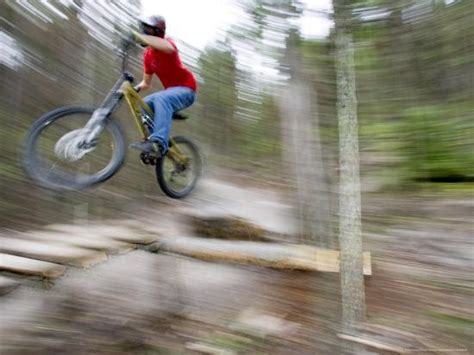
[{"x": 164, "y": 103}]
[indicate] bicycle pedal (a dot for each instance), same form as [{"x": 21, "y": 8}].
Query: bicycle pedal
[{"x": 147, "y": 159}]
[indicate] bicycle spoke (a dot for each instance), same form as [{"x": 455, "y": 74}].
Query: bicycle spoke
[
  {"x": 63, "y": 164},
  {"x": 180, "y": 172}
]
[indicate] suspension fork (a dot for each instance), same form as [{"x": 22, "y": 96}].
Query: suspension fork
[{"x": 96, "y": 124}]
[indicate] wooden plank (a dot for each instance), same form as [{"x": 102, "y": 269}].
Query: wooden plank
[
  {"x": 94, "y": 242},
  {"x": 374, "y": 344},
  {"x": 7, "y": 285},
  {"x": 135, "y": 238},
  {"x": 202, "y": 348},
  {"x": 327, "y": 260},
  {"x": 120, "y": 233},
  {"x": 385, "y": 338},
  {"x": 285, "y": 256},
  {"x": 61, "y": 254},
  {"x": 30, "y": 267}
]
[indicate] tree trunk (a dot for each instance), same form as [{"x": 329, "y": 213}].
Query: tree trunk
[
  {"x": 303, "y": 153},
  {"x": 304, "y": 161},
  {"x": 350, "y": 237}
]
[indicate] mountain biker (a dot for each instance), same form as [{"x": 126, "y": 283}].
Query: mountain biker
[{"x": 162, "y": 59}]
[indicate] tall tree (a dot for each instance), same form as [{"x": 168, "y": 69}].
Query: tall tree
[
  {"x": 297, "y": 104},
  {"x": 218, "y": 94},
  {"x": 350, "y": 236},
  {"x": 301, "y": 135}
]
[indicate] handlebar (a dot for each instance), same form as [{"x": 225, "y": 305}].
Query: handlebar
[{"x": 128, "y": 41}]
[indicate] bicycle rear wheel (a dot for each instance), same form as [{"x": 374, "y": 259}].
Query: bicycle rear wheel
[
  {"x": 178, "y": 177},
  {"x": 51, "y": 165}
]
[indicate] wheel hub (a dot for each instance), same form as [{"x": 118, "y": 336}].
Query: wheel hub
[{"x": 72, "y": 145}]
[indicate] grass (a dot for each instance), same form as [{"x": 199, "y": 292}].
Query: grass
[
  {"x": 455, "y": 324},
  {"x": 231, "y": 342},
  {"x": 458, "y": 287}
]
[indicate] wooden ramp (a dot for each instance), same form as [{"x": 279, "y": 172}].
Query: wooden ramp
[
  {"x": 56, "y": 253},
  {"x": 46, "y": 254},
  {"x": 275, "y": 255}
]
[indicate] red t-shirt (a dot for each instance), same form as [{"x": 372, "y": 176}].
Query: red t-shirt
[{"x": 168, "y": 67}]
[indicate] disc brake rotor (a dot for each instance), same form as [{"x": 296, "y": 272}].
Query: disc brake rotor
[{"x": 72, "y": 146}]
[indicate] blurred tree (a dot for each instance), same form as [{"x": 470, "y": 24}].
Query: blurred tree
[
  {"x": 57, "y": 63},
  {"x": 301, "y": 135},
  {"x": 218, "y": 96},
  {"x": 414, "y": 67},
  {"x": 350, "y": 236},
  {"x": 299, "y": 118}
]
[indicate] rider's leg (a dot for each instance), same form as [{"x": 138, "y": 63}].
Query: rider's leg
[{"x": 164, "y": 103}]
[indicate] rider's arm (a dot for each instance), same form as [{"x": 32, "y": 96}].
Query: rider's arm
[
  {"x": 156, "y": 42},
  {"x": 146, "y": 82}
]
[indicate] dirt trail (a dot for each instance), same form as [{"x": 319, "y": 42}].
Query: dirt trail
[
  {"x": 140, "y": 297},
  {"x": 151, "y": 303}
]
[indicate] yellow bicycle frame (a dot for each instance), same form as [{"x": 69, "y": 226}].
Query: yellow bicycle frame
[{"x": 137, "y": 105}]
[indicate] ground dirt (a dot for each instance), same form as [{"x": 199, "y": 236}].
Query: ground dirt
[{"x": 141, "y": 302}]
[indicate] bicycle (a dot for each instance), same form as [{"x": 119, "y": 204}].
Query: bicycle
[{"x": 83, "y": 146}]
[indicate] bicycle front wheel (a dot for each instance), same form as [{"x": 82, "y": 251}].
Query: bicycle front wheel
[
  {"x": 55, "y": 156},
  {"x": 178, "y": 173}
]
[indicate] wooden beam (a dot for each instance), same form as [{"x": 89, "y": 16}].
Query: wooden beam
[
  {"x": 30, "y": 267},
  {"x": 374, "y": 343},
  {"x": 116, "y": 232},
  {"x": 86, "y": 241},
  {"x": 275, "y": 255},
  {"x": 61, "y": 254}
]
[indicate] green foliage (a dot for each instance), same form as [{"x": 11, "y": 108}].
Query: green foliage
[
  {"x": 61, "y": 64},
  {"x": 413, "y": 71},
  {"x": 413, "y": 98},
  {"x": 218, "y": 96},
  {"x": 453, "y": 323},
  {"x": 439, "y": 143},
  {"x": 414, "y": 95}
]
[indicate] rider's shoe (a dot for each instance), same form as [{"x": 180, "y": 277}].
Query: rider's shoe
[
  {"x": 144, "y": 146},
  {"x": 147, "y": 147}
]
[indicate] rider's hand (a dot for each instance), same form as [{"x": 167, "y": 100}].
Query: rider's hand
[
  {"x": 137, "y": 88},
  {"x": 138, "y": 38}
]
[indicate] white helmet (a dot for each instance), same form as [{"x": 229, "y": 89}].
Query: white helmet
[{"x": 153, "y": 25}]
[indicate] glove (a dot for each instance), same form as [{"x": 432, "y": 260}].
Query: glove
[{"x": 138, "y": 38}]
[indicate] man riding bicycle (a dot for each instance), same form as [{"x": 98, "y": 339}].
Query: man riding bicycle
[{"x": 162, "y": 59}]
